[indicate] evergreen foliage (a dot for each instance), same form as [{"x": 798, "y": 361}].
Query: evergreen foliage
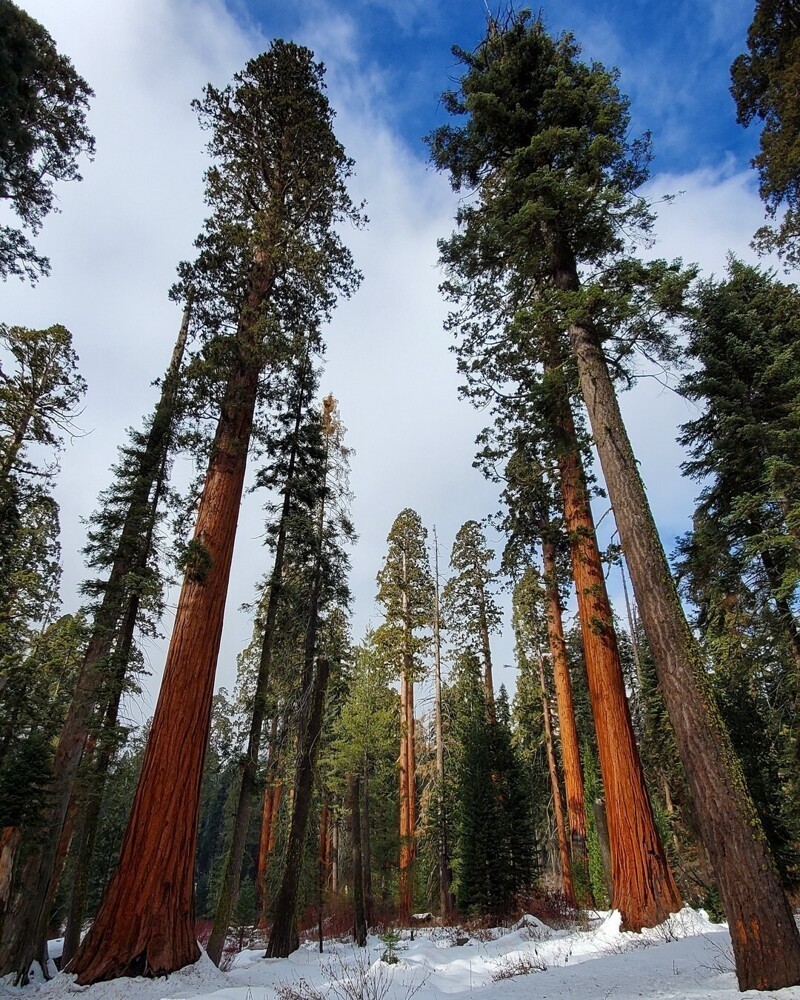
[
  {"x": 471, "y": 610},
  {"x": 764, "y": 82},
  {"x": 42, "y": 132},
  {"x": 405, "y": 589}
]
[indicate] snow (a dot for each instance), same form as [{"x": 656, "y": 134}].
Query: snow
[{"x": 687, "y": 957}]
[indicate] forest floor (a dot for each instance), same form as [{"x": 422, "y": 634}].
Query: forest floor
[{"x": 686, "y": 957}]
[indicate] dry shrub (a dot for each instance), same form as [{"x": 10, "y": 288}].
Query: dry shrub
[
  {"x": 354, "y": 978},
  {"x": 521, "y": 965},
  {"x": 337, "y": 921},
  {"x": 551, "y": 908}
]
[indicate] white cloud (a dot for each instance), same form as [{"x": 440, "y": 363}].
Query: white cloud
[{"x": 122, "y": 231}]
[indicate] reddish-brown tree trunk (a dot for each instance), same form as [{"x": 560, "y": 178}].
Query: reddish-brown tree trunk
[
  {"x": 765, "y": 940},
  {"x": 404, "y": 901},
  {"x": 229, "y": 892},
  {"x": 570, "y": 744},
  {"x": 645, "y": 892},
  {"x": 410, "y": 731},
  {"x": 10, "y": 837},
  {"x": 267, "y": 806},
  {"x": 561, "y": 827},
  {"x": 27, "y": 922},
  {"x": 324, "y": 840},
  {"x": 446, "y": 901},
  {"x": 145, "y": 925}
]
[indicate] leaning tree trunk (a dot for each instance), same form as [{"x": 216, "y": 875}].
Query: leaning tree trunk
[
  {"x": 359, "y": 916},
  {"x": 570, "y": 746},
  {"x": 145, "y": 925},
  {"x": 229, "y": 893},
  {"x": 558, "y": 808},
  {"x": 89, "y": 821},
  {"x": 27, "y": 920},
  {"x": 283, "y": 939},
  {"x": 766, "y": 943},
  {"x": 645, "y": 892},
  {"x": 271, "y": 805}
]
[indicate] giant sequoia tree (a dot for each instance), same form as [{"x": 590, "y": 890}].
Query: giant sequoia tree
[
  {"x": 269, "y": 253},
  {"x": 405, "y": 589},
  {"x": 545, "y": 140}
]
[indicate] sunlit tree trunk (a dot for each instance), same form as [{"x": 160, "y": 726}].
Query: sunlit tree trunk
[
  {"x": 558, "y": 808},
  {"x": 229, "y": 892},
  {"x": 765, "y": 940},
  {"x": 26, "y": 924},
  {"x": 644, "y": 890},
  {"x": 145, "y": 925},
  {"x": 570, "y": 745}
]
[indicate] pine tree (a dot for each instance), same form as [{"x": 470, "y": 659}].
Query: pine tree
[
  {"x": 121, "y": 543},
  {"x": 365, "y": 735},
  {"x": 546, "y": 140},
  {"x": 42, "y": 133},
  {"x": 745, "y": 445},
  {"x": 480, "y": 855},
  {"x": 763, "y": 84},
  {"x": 329, "y": 531},
  {"x": 263, "y": 254},
  {"x": 471, "y": 609},
  {"x": 291, "y": 452}
]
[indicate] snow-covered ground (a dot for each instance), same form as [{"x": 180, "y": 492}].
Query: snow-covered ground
[{"x": 687, "y": 957}]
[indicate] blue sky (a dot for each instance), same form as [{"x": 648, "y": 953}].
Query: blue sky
[
  {"x": 674, "y": 57},
  {"x": 121, "y": 232}
]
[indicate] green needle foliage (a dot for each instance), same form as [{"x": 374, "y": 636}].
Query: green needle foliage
[
  {"x": 42, "y": 132},
  {"x": 764, "y": 84}
]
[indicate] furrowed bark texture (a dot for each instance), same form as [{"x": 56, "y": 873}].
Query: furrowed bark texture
[
  {"x": 145, "y": 925},
  {"x": 645, "y": 892},
  {"x": 570, "y": 745},
  {"x": 229, "y": 893},
  {"x": 765, "y": 940},
  {"x": 561, "y": 827},
  {"x": 408, "y": 793}
]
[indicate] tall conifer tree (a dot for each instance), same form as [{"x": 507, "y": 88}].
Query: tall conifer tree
[
  {"x": 269, "y": 249},
  {"x": 405, "y": 589},
  {"x": 546, "y": 141}
]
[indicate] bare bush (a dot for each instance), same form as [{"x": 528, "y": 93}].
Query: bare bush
[
  {"x": 519, "y": 965},
  {"x": 352, "y": 978}
]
